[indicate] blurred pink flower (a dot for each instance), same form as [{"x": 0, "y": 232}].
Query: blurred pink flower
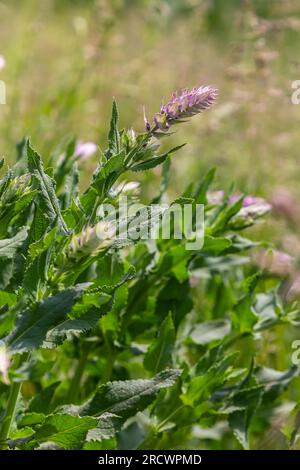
[
  {"x": 293, "y": 291},
  {"x": 286, "y": 205},
  {"x": 275, "y": 261},
  {"x": 84, "y": 150},
  {"x": 194, "y": 281},
  {"x": 2, "y": 62},
  {"x": 291, "y": 244},
  {"x": 249, "y": 200},
  {"x": 252, "y": 206},
  {"x": 215, "y": 197}
]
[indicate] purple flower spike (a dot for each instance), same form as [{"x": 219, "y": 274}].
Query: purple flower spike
[{"x": 183, "y": 105}]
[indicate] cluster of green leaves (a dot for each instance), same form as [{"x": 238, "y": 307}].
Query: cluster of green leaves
[{"x": 128, "y": 345}]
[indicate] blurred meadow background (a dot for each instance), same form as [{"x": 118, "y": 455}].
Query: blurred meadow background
[{"x": 64, "y": 60}]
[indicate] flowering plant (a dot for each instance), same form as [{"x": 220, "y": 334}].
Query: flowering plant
[{"x": 133, "y": 344}]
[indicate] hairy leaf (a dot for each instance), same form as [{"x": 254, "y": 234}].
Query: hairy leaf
[
  {"x": 33, "y": 324},
  {"x": 113, "y": 136},
  {"x": 126, "y": 398},
  {"x": 47, "y": 197},
  {"x": 9, "y": 246},
  {"x": 67, "y": 431}
]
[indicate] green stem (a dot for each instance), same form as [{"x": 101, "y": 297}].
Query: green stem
[
  {"x": 94, "y": 210},
  {"x": 76, "y": 379},
  {"x": 110, "y": 360},
  {"x": 9, "y": 415},
  {"x": 164, "y": 421}
]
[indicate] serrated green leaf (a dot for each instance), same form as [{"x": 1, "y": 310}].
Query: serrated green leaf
[
  {"x": 47, "y": 196},
  {"x": 67, "y": 431},
  {"x": 31, "y": 419},
  {"x": 9, "y": 246},
  {"x": 115, "y": 163},
  {"x": 244, "y": 405},
  {"x": 73, "y": 327},
  {"x": 38, "y": 262},
  {"x": 36, "y": 248},
  {"x": 113, "y": 135},
  {"x": 108, "y": 426},
  {"x": 20, "y": 437},
  {"x": 32, "y": 325},
  {"x": 159, "y": 354},
  {"x": 125, "y": 398}
]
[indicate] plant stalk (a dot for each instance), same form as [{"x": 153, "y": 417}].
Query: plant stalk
[
  {"x": 76, "y": 379},
  {"x": 10, "y": 412}
]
